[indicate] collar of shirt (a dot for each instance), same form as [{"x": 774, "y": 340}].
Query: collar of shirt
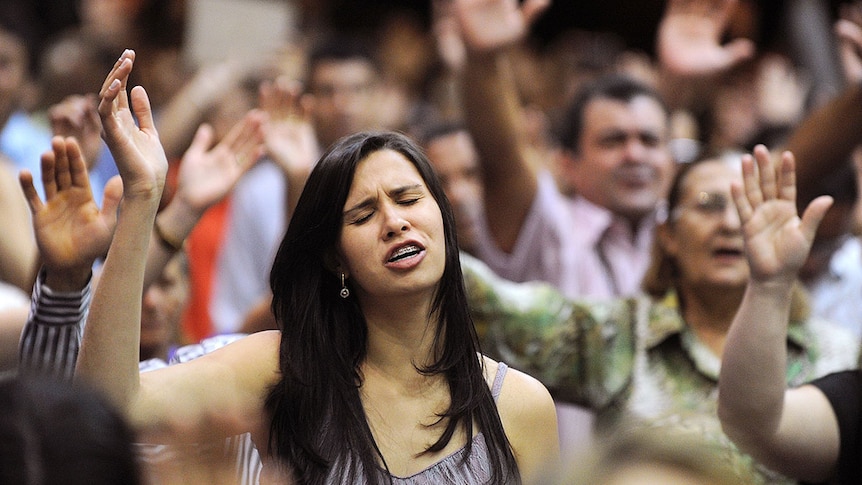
[
  {"x": 594, "y": 221},
  {"x": 666, "y": 321}
]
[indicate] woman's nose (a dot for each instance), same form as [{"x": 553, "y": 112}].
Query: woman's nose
[{"x": 395, "y": 223}]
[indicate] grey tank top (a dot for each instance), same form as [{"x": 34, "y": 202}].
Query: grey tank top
[{"x": 451, "y": 469}]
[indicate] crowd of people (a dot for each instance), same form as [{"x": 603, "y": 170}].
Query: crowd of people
[{"x": 433, "y": 254}]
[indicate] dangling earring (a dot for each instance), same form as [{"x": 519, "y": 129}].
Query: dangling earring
[{"x": 344, "y": 293}]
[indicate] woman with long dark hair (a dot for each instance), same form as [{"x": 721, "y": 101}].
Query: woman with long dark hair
[{"x": 375, "y": 375}]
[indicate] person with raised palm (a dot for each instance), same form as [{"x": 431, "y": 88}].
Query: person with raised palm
[
  {"x": 805, "y": 432},
  {"x": 450, "y": 411}
]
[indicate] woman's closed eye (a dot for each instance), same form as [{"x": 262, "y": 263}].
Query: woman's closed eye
[
  {"x": 362, "y": 218},
  {"x": 409, "y": 200}
]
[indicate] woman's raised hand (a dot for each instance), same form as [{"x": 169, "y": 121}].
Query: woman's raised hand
[
  {"x": 135, "y": 146},
  {"x": 777, "y": 241},
  {"x": 488, "y": 25},
  {"x": 71, "y": 231},
  {"x": 208, "y": 173}
]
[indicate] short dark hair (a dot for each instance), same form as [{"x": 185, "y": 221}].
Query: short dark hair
[
  {"x": 52, "y": 432},
  {"x": 619, "y": 87},
  {"x": 430, "y": 132},
  {"x": 342, "y": 48},
  {"x": 18, "y": 20}
]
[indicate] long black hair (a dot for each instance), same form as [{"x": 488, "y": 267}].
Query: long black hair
[{"x": 318, "y": 422}]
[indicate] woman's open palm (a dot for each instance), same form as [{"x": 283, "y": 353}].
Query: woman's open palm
[{"x": 777, "y": 241}]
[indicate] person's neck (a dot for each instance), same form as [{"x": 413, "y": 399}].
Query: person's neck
[
  {"x": 634, "y": 222},
  {"x": 709, "y": 313},
  {"x": 400, "y": 334}
]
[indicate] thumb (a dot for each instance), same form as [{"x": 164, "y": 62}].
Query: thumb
[
  {"x": 142, "y": 109},
  {"x": 25, "y": 178},
  {"x": 203, "y": 139},
  {"x": 111, "y": 197},
  {"x": 532, "y": 9},
  {"x": 738, "y": 50},
  {"x": 813, "y": 215}
]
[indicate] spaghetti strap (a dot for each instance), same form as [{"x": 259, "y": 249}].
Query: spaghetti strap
[{"x": 498, "y": 380}]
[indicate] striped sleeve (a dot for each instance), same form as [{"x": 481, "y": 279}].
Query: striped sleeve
[{"x": 52, "y": 335}]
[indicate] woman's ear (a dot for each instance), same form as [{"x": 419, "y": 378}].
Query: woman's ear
[{"x": 332, "y": 262}]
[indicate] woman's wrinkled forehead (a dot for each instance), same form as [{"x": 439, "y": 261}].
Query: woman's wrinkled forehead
[
  {"x": 383, "y": 169},
  {"x": 714, "y": 174}
]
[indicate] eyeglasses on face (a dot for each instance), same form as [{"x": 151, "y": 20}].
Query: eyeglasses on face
[{"x": 706, "y": 203}]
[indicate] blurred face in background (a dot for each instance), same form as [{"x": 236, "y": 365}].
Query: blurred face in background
[
  {"x": 109, "y": 19},
  {"x": 344, "y": 98},
  {"x": 13, "y": 73},
  {"x": 623, "y": 162},
  {"x": 456, "y": 162},
  {"x": 703, "y": 234},
  {"x": 162, "y": 308}
]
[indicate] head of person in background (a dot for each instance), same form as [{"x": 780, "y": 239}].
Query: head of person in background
[
  {"x": 453, "y": 155},
  {"x": 162, "y": 309},
  {"x": 71, "y": 64},
  {"x": 343, "y": 77},
  {"x": 698, "y": 250},
  {"x": 615, "y": 139},
  {"x": 52, "y": 432},
  {"x": 18, "y": 64},
  {"x": 640, "y": 455}
]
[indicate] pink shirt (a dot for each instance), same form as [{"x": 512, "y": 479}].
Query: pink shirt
[
  {"x": 579, "y": 247},
  {"x": 586, "y": 252}
]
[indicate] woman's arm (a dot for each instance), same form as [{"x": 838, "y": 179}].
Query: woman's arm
[
  {"x": 71, "y": 232},
  {"x": 110, "y": 347},
  {"x": 530, "y": 422},
  {"x": 794, "y": 431},
  {"x": 185, "y": 397},
  {"x": 17, "y": 246}
]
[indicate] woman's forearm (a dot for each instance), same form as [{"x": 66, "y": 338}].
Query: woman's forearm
[
  {"x": 110, "y": 348},
  {"x": 752, "y": 379}
]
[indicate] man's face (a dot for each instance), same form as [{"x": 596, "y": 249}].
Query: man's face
[
  {"x": 456, "y": 162},
  {"x": 344, "y": 94},
  {"x": 13, "y": 72},
  {"x": 623, "y": 163}
]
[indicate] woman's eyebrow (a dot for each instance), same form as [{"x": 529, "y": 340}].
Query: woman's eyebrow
[
  {"x": 404, "y": 189},
  {"x": 369, "y": 201}
]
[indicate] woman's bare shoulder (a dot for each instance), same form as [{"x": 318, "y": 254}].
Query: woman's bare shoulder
[
  {"x": 519, "y": 389},
  {"x": 529, "y": 419}
]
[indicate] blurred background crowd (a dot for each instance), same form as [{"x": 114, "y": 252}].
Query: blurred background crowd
[{"x": 728, "y": 75}]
